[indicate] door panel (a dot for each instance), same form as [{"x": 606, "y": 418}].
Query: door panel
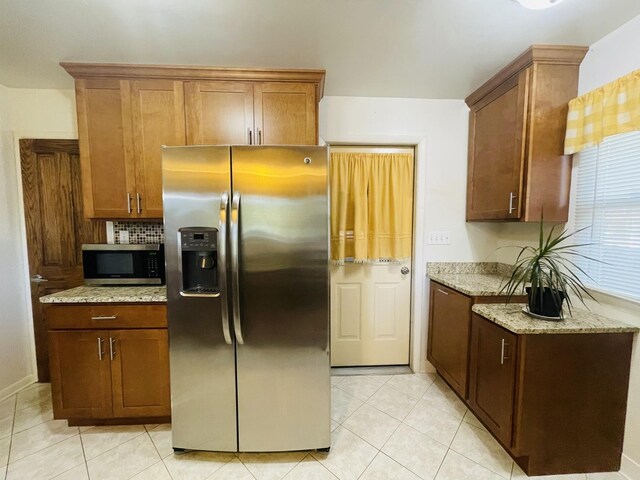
[
  {"x": 497, "y": 152},
  {"x": 283, "y": 365},
  {"x": 348, "y": 299},
  {"x": 218, "y": 113},
  {"x": 203, "y": 387},
  {"x": 492, "y": 368},
  {"x": 81, "y": 374},
  {"x": 157, "y": 112},
  {"x": 103, "y": 107},
  {"x": 285, "y": 113},
  {"x": 140, "y": 373},
  {"x": 56, "y": 227},
  {"x": 377, "y": 319},
  {"x": 449, "y": 327}
]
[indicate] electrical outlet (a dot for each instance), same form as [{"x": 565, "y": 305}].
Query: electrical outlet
[
  {"x": 123, "y": 236},
  {"x": 440, "y": 237}
]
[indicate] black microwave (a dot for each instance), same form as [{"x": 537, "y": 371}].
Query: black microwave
[{"x": 123, "y": 264}]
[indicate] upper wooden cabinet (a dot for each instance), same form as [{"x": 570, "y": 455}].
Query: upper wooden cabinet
[
  {"x": 127, "y": 112},
  {"x": 121, "y": 125},
  {"x": 285, "y": 114},
  {"x": 517, "y": 125}
]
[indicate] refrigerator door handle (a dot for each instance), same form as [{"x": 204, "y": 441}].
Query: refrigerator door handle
[
  {"x": 222, "y": 266},
  {"x": 235, "y": 283}
]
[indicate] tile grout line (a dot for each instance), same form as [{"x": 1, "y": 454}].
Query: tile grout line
[
  {"x": 475, "y": 461},
  {"x": 449, "y": 449},
  {"x": 13, "y": 425},
  {"x": 84, "y": 455}
]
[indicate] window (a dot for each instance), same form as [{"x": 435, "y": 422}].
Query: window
[{"x": 608, "y": 201}]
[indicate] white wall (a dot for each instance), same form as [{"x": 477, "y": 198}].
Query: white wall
[
  {"x": 611, "y": 57},
  {"x": 15, "y": 338},
  {"x": 24, "y": 113},
  {"x": 439, "y": 129}
]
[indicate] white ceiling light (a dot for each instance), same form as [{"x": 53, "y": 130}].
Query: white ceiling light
[{"x": 538, "y": 4}]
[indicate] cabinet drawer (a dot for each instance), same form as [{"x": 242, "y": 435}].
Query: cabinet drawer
[{"x": 105, "y": 316}]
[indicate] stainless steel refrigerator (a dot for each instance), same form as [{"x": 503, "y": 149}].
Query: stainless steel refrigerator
[{"x": 246, "y": 246}]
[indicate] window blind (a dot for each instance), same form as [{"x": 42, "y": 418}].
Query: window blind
[{"x": 608, "y": 201}]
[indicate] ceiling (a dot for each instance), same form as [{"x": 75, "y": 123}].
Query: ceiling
[{"x": 390, "y": 48}]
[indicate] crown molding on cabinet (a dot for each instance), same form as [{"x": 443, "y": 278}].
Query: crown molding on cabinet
[
  {"x": 539, "y": 54},
  {"x": 183, "y": 72}
]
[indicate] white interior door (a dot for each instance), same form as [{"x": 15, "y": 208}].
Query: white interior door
[{"x": 370, "y": 314}]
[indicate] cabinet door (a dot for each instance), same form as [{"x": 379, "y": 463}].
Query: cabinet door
[
  {"x": 448, "y": 345},
  {"x": 285, "y": 113},
  {"x": 492, "y": 371},
  {"x": 80, "y": 374},
  {"x": 108, "y": 180},
  {"x": 497, "y": 151},
  {"x": 219, "y": 113},
  {"x": 140, "y": 372},
  {"x": 157, "y": 113}
]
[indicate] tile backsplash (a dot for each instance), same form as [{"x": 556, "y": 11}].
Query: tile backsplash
[{"x": 140, "y": 232}]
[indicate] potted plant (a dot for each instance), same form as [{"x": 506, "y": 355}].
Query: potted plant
[{"x": 548, "y": 274}]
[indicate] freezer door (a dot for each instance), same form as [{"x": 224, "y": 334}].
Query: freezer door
[
  {"x": 279, "y": 219},
  {"x": 203, "y": 387}
]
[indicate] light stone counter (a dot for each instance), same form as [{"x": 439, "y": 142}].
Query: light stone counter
[
  {"x": 106, "y": 294},
  {"x": 472, "y": 284},
  {"x": 511, "y": 317},
  {"x": 476, "y": 279}
]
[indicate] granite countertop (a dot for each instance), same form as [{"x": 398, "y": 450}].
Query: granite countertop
[
  {"x": 105, "y": 294},
  {"x": 511, "y": 317},
  {"x": 472, "y": 284},
  {"x": 476, "y": 279}
]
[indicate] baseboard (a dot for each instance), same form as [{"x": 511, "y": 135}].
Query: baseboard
[
  {"x": 428, "y": 368},
  {"x": 17, "y": 386},
  {"x": 629, "y": 468}
]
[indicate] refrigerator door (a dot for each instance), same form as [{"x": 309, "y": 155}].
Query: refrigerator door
[
  {"x": 203, "y": 387},
  {"x": 279, "y": 242}
]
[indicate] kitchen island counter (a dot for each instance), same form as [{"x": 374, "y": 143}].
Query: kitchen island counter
[{"x": 106, "y": 294}]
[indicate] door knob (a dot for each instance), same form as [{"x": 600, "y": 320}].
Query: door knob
[
  {"x": 38, "y": 279},
  {"x": 404, "y": 270}
]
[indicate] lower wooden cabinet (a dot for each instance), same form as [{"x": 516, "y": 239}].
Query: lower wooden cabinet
[
  {"x": 556, "y": 402},
  {"x": 80, "y": 374},
  {"x": 140, "y": 373},
  {"x": 492, "y": 376},
  {"x": 106, "y": 374},
  {"x": 449, "y": 333}
]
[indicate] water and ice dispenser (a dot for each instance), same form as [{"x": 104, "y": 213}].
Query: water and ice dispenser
[{"x": 199, "y": 252}]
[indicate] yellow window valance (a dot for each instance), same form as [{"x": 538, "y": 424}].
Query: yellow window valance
[
  {"x": 371, "y": 207},
  {"x": 609, "y": 110}
]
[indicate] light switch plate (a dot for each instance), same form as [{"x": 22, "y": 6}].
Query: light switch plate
[{"x": 440, "y": 237}]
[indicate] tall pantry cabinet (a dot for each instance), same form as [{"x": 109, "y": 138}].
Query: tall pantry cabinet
[{"x": 127, "y": 112}]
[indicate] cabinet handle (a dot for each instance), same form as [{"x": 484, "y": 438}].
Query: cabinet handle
[
  {"x": 443, "y": 292},
  {"x": 112, "y": 348},
  {"x": 259, "y": 137},
  {"x": 128, "y": 203},
  {"x": 512, "y": 197},
  {"x": 250, "y": 139},
  {"x": 503, "y": 357},
  {"x": 104, "y": 317},
  {"x": 100, "y": 351},
  {"x": 139, "y": 202}
]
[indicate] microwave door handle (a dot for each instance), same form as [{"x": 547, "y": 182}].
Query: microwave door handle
[
  {"x": 235, "y": 284},
  {"x": 222, "y": 266}
]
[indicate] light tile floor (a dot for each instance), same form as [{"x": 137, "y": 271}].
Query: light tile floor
[{"x": 401, "y": 427}]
